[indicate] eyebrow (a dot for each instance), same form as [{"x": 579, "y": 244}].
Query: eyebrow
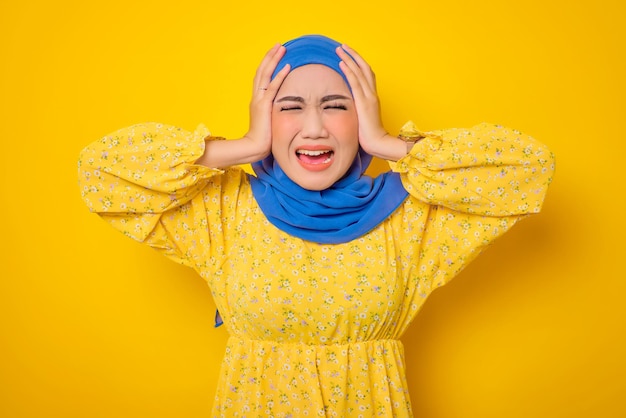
[
  {"x": 322, "y": 100},
  {"x": 290, "y": 99},
  {"x": 333, "y": 97}
]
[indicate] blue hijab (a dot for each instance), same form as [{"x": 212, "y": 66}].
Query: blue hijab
[{"x": 351, "y": 207}]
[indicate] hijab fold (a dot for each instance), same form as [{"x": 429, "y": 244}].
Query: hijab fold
[{"x": 351, "y": 207}]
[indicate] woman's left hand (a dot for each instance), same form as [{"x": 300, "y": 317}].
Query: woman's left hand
[{"x": 373, "y": 137}]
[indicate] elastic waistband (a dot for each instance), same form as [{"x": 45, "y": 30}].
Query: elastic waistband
[{"x": 235, "y": 340}]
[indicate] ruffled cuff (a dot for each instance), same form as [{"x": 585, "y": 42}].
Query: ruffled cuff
[{"x": 420, "y": 153}]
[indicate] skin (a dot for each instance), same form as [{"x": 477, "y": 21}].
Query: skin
[
  {"x": 268, "y": 125},
  {"x": 314, "y": 112}
]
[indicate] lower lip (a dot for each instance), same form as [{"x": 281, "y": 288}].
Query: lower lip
[{"x": 316, "y": 167}]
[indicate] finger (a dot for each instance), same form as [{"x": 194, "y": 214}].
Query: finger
[
  {"x": 267, "y": 66},
  {"x": 263, "y": 63},
  {"x": 355, "y": 84},
  {"x": 354, "y": 68},
  {"x": 274, "y": 85},
  {"x": 358, "y": 82},
  {"x": 358, "y": 64},
  {"x": 356, "y": 57}
]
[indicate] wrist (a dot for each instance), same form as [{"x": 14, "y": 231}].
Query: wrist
[
  {"x": 223, "y": 154},
  {"x": 256, "y": 150},
  {"x": 388, "y": 147}
]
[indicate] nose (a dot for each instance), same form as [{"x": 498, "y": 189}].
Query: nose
[{"x": 313, "y": 125}]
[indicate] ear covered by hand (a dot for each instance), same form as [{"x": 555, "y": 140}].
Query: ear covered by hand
[
  {"x": 373, "y": 137},
  {"x": 263, "y": 93}
]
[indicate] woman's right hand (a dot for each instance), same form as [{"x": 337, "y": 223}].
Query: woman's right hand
[
  {"x": 256, "y": 144},
  {"x": 263, "y": 95}
]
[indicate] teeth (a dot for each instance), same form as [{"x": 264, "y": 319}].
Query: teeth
[{"x": 311, "y": 152}]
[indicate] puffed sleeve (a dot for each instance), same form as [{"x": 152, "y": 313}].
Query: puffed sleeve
[
  {"x": 135, "y": 175},
  {"x": 486, "y": 170},
  {"x": 468, "y": 187}
]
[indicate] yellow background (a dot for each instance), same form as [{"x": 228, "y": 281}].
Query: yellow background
[{"x": 95, "y": 325}]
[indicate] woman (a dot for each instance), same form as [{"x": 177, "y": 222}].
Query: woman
[{"x": 316, "y": 269}]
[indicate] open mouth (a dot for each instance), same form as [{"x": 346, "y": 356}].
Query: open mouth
[{"x": 315, "y": 157}]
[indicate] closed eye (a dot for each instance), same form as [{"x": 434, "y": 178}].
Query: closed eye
[
  {"x": 287, "y": 108},
  {"x": 335, "y": 101},
  {"x": 336, "y": 106},
  {"x": 288, "y": 103}
]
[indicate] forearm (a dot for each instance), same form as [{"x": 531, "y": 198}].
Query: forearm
[
  {"x": 227, "y": 153},
  {"x": 390, "y": 148}
]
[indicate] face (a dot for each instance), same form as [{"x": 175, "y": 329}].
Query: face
[{"x": 314, "y": 127}]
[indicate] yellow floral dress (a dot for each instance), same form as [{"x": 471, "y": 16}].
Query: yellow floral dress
[{"x": 313, "y": 328}]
